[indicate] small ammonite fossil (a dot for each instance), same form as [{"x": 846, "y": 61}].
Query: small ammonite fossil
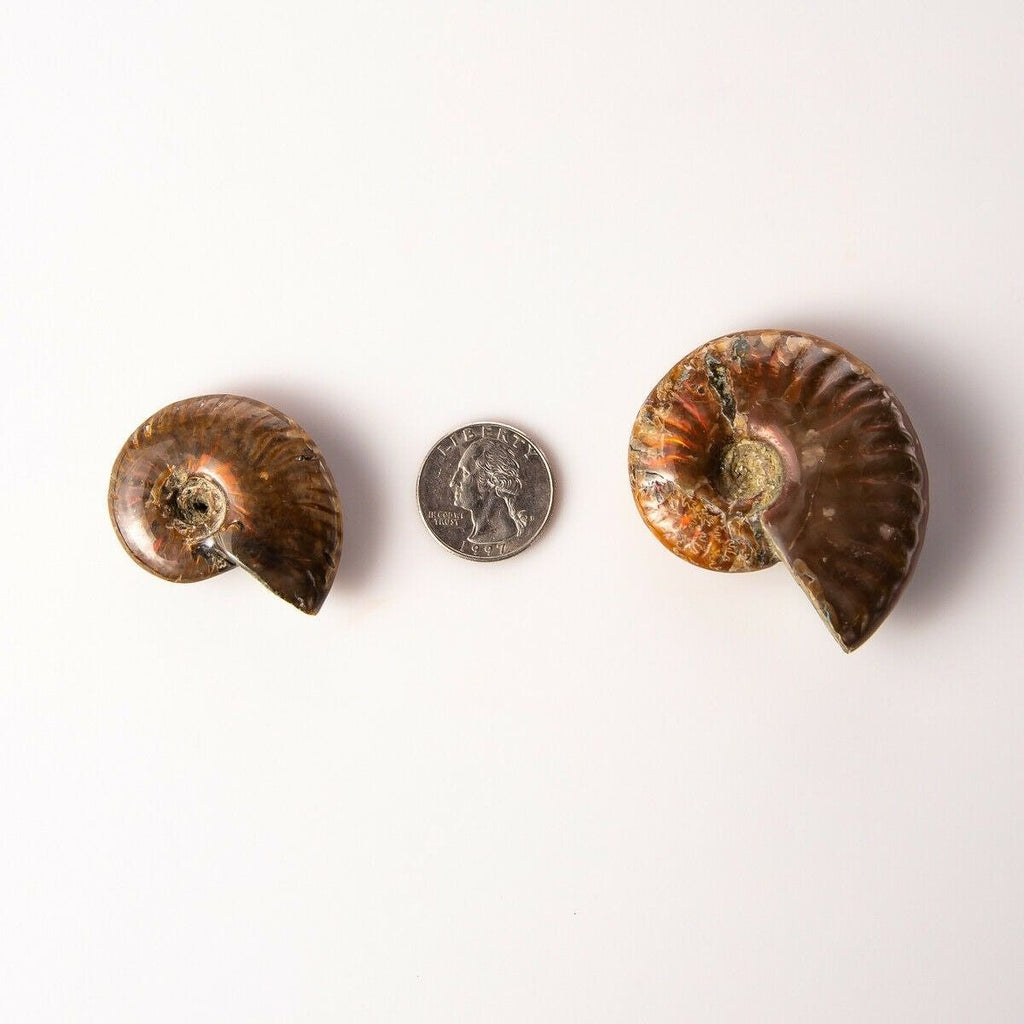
[
  {"x": 218, "y": 481},
  {"x": 770, "y": 446}
]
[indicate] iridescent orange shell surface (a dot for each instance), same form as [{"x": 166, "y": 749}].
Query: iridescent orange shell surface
[
  {"x": 218, "y": 481},
  {"x": 768, "y": 446}
]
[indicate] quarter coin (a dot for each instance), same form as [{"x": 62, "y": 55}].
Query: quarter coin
[{"x": 485, "y": 491}]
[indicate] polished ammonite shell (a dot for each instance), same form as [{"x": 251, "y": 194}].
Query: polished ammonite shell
[
  {"x": 218, "y": 481},
  {"x": 768, "y": 446}
]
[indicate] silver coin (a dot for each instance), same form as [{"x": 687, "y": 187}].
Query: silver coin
[{"x": 485, "y": 491}]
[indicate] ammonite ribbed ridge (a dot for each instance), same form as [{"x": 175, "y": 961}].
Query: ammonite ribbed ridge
[
  {"x": 774, "y": 445},
  {"x": 217, "y": 481}
]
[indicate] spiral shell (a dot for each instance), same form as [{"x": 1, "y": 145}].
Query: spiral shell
[
  {"x": 770, "y": 446},
  {"x": 213, "y": 482}
]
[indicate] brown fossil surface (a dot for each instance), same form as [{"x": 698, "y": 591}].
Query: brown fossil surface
[
  {"x": 217, "y": 481},
  {"x": 768, "y": 446}
]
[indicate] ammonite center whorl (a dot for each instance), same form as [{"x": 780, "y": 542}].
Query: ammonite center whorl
[
  {"x": 218, "y": 481},
  {"x": 773, "y": 446}
]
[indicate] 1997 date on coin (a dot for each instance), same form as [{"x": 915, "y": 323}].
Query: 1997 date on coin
[{"x": 485, "y": 491}]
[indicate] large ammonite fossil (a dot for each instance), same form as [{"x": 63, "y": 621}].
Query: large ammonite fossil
[
  {"x": 218, "y": 481},
  {"x": 770, "y": 446}
]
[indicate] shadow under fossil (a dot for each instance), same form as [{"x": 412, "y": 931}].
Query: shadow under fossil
[
  {"x": 348, "y": 460},
  {"x": 961, "y": 482}
]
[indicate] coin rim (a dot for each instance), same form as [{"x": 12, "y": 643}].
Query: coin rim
[{"x": 547, "y": 511}]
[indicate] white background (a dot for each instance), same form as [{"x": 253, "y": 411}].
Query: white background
[{"x": 591, "y": 783}]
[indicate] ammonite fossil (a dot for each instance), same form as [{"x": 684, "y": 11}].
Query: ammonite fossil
[
  {"x": 218, "y": 481},
  {"x": 773, "y": 446}
]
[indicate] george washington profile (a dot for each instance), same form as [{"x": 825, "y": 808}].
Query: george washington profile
[{"x": 487, "y": 484}]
